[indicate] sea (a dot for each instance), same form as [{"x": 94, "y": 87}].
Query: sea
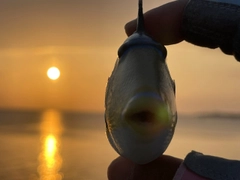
[{"x": 61, "y": 145}]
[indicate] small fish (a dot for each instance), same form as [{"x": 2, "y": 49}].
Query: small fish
[{"x": 140, "y": 112}]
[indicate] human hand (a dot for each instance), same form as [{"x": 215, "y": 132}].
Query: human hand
[
  {"x": 162, "y": 23},
  {"x": 209, "y": 24},
  {"x": 163, "y": 168}
]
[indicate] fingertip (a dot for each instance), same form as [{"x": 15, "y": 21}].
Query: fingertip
[
  {"x": 164, "y": 167},
  {"x": 130, "y": 27},
  {"x": 162, "y": 23},
  {"x": 119, "y": 169}
]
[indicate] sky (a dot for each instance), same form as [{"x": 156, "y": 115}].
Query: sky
[{"x": 81, "y": 38}]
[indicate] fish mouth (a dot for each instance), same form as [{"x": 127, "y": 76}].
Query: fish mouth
[
  {"x": 147, "y": 113},
  {"x": 143, "y": 116}
]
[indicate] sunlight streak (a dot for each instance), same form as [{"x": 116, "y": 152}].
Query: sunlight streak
[
  {"x": 50, "y": 151},
  {"x": 50, "y": 160}
]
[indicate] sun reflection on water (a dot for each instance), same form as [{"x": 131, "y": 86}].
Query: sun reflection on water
[
  {"x": 50, "y": 160},
  {"x": 50, "y": 151}
]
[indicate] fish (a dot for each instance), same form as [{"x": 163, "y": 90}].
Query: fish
[{"x": 140, "y": 104}]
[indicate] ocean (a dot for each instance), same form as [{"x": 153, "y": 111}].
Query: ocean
[{"x": 55, "y": 145}]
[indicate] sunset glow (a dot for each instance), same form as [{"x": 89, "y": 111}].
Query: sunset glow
[{"x": 78, "y": 43}]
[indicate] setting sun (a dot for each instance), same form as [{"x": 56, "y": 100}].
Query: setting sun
[{"x": 53, "y": 73}]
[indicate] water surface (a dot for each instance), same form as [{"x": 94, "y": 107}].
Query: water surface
[{"x": 52, "y": 145}]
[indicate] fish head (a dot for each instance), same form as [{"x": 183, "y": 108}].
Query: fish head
[{"x": 140, "y": 105}]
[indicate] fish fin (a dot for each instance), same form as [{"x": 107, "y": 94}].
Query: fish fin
[
  {"x": 174, "y": 86},
  {"x": 140, "y": 19}
]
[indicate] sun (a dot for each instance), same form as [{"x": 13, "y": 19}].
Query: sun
[{"x": 53, "y": 73}]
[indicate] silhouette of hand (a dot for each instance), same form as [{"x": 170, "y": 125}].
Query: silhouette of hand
[{"x": 163, "y": 168}]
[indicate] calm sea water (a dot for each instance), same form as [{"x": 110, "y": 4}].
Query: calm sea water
[{"x": 54, "y": 145}]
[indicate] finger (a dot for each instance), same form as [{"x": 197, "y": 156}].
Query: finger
[
  {"x": 164, "y": 167},
  {"x": 162, "y": 23}
]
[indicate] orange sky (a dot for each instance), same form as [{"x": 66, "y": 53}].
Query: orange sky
[{"x": 81, "y": 38}]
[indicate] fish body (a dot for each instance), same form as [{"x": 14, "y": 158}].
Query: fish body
[{"x": 140, "y": 104}]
